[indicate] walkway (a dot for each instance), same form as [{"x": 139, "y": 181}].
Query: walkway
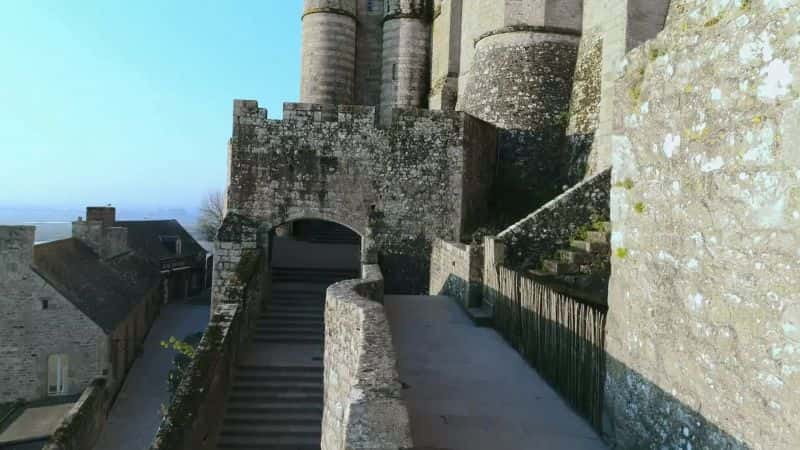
[
  {"x": 136, "y": 414},
  {"x": 468, "y": 389}
]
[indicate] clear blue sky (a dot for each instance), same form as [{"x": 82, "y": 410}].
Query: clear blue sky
[{"x": 129, "y": 102}]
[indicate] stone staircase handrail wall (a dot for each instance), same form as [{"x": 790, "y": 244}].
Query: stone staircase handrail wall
[
  {"x": 362, "y": 401},
  {"x": 552, "y": 226}
]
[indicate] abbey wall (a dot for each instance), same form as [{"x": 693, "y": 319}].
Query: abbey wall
[{"x": 704, "y": 309}]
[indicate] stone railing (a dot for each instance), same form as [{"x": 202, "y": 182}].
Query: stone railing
[
  {"x": 363, "y": 408},
  {"x": 84, "y": 422},
  {"x": 550, "y": 227}
]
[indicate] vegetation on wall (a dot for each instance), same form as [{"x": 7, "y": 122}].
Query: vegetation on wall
[{"x": 185, "y": 352}]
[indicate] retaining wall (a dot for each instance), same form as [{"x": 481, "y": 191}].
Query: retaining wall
[{"x": 363, "y": 408}]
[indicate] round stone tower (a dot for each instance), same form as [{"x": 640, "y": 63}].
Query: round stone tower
[
  {"x": 406, "y": 42},
  {"x": 521, "y": 57},
  {"x": 329, "y": 51}
]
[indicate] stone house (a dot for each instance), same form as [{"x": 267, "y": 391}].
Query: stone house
[
  {"x": 70, "y": 312},
  {"x": 165, "y": 244}
]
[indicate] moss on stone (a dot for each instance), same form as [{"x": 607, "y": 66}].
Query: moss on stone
[
  {"x": 622, "y": 253},
  {"x": 639, "y": 207}
]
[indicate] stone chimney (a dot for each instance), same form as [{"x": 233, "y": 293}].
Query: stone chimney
[
  {"x": 16, "y": 252},
  {"x": 99, "y": 233}
]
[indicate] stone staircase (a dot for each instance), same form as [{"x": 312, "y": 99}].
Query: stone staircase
[
  {"x": 276, "y": 398},
  {"x": 583, "y": 269}
]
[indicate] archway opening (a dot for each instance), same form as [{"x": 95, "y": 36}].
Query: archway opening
[{"x": 316, "y": 245}]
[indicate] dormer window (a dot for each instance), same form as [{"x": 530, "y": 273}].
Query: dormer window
[{"x": 171, "y": 243}]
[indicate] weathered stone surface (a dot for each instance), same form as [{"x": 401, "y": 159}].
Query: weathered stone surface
[
  {"x": 703, "y": 304},
  {"x": 362, "y": 406},
  {"x": 552, "y": 226},
  {"x": 610, "y": 29},
  {"x": 328, "y": 51},
  {"x": 428, "y": 174},
  {"x": 83, "y": 424},
  {"x": 457, "y": 271},
  {"x": 445, "y": 54}
]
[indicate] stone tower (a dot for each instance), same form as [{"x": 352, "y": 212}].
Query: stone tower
[
  {"x": 517, "y": 62},
  {"x": 328, "y": 52},
  {"x": 406, "y": 42}
]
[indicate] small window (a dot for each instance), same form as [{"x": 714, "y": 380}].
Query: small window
[
  {"x": 57, "y": 374},
  {"x": 394, "y": 72},
  {"x": 45, "y": 303},
  {"x": 370, "y": 5}
]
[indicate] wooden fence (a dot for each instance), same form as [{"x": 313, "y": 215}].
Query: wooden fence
[{"x": 563, "y": 338}]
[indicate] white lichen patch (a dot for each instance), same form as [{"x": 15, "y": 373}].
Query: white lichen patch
[
  {"x": 695, "y": 302},
  {"x": 776, "y": 80},
  {"x": 672, "y": 143},
  {"x": 716, "y": 95}
]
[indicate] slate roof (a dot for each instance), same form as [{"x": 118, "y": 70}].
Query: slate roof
[
  {"x": 105, "y": 291},
  {"x": 144, "y": 238}
]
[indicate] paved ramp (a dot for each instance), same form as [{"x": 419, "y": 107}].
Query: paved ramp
[{"x": 469, "y": 390}]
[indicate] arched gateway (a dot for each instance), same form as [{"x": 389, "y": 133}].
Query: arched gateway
[{"x": 423, "y": 175}]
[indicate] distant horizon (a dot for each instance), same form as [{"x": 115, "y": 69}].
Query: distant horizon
[{"x": 131, "y": 103}]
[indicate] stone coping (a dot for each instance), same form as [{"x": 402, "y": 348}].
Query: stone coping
[{"x": 84, "y": 422}]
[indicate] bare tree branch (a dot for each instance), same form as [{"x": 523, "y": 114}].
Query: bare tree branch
[{"x": 212, "y": 211}]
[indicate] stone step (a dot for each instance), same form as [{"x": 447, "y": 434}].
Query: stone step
[
  {"x": 598, "y": 236},
  {"x": 305, "y": 442},
  {"x": 285, "y": 339},
  {"x": 276, "y": 408},
  {"x": 277, "y": 388},
  {"x": 282, "y": 396},
  {"x": 574, "y": 256},
  {"x": 274, "y": 419},
  {"x": 293, "y": 309},
  {"x": 296, "y": 328},
  {"x": 316, "y": 333},
  {"x": 590, "y": 247},
  {"x": 294, "y": 315},
  {"x": 284, "y": 426},
  {"x": 271, "y": 377},
  {"x": 290, "y": 323},
  {"x": 559, "y": 267}
]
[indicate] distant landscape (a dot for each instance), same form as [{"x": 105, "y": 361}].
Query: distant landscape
[{"x": 54, "y": 223}]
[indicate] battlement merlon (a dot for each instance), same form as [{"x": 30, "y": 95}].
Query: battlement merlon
[{"x": 248, "y": 113}]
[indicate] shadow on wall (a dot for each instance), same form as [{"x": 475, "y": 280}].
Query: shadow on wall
[
  {"x": 529, "y": 173},
  {"x": 564, "y": 340}
]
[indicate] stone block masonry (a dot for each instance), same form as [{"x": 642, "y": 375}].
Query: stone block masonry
[
  {"x": 457, "y": 271},
  {"x": 426, "y": 174},
  {"x": 704, "y": 304},
  {"x": 517, "y": 63},
  {"x": 363, "y": 408}
]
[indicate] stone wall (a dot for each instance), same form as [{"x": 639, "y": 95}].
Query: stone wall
[
  {"x": 704, "y": 303},
  {"x": 241, "y": 284},
  {"x": 362, "y": 406},
  {"x": 457, "y": 271},
  {"x": 426, "y": 175},
  {"x": 551, "y": 227},
  {"x": 29, "y": 333},
  {"x": 610, "y": 29},
  {"x": 369, "y": 41},
  {"x": 445, "y": 54},
  {"x": 81, "y": 427}
]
